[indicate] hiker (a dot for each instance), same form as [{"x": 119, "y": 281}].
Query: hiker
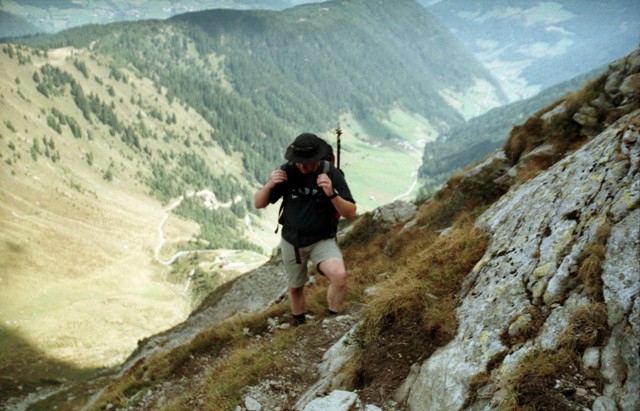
[{"x": 314, "y": 195}]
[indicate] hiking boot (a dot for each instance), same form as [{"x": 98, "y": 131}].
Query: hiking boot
[{"x": 297, "y": 320}]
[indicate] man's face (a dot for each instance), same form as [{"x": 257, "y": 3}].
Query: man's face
[{"x": 308, "y": 168}]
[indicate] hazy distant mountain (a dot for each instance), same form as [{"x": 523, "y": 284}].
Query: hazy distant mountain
[
  {"x": 12, "y": 25},
  {"x": 54, "y": 16},
  {"x": 531, "y": 45}
]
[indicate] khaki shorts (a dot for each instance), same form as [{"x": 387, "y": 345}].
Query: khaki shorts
[{"x": 298, "y": 274}]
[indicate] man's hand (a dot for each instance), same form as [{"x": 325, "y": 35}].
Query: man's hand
[
  {"x": 324, "y": 182},
  {"x": 277, "y": 176},
  {"x": 261, "y": 197}
]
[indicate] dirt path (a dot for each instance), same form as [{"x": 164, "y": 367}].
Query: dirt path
[
  {"x": 302, "y": 379},
  {"x": 161, "y": 238},
  {"x": 411, "y": 188},
  {"x": 167, "y": 213}
]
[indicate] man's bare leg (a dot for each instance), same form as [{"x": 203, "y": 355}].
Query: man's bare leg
[
  {"x": 296, "y": 300},
  {"x": 335, "y": 271}
]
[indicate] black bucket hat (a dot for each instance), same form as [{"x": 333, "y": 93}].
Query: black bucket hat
[{"x": 306, "y": 148}]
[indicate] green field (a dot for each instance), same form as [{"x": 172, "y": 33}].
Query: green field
[{"x": 380, "y": 157}]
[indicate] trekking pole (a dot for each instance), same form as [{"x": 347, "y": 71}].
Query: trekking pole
[{"x": 338, "y": 134}]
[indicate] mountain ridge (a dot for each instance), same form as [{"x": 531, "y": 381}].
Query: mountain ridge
[{"x": 63, "y": 14}]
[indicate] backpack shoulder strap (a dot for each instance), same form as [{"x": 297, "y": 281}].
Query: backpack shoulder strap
[
  {"x": 328, "y": 168},
  {"x": 280, "y": 212}
]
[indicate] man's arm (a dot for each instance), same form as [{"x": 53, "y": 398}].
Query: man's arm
[
  {"x": 346, "y": 208},
  {"x": 261, "y": 197}
]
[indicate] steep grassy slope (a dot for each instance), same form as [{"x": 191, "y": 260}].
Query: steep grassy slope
[{"x": 80, "y": 281}]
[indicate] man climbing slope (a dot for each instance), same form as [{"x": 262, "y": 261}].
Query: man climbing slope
[{"x": 314, "y": 196}]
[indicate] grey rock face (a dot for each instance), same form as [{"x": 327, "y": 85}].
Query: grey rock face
[
  {"x": 522, "y": 295},
  {"x": 539, "y": 233},
  {"x": 393, "y": 213}
]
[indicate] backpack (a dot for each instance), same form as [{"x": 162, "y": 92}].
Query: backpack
[{"x": 328, "y": 168}]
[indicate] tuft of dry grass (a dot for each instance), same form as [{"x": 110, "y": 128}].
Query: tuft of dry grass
[
  {"x": 534, "y": 379},
  {"x": 535, "y": 166},
  {"x": 532, "y": 386},
  {"x": 587, "y": 328},
  {"x": 461, "y": 198},
  {"x": 419, "y": 297},
  {"x": 524, "y": 138},
  {"x": 590, "y": 262},
  {"x": 243, "y": 362},
  {"x": 423, "y": 292},
  {"x": 590, "y": 271},
  {"x": 364, "y": 230},
  {"x": 529, "y": 329}
]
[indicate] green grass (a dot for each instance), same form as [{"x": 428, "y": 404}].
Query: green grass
[{"x": 377, "y": 166}]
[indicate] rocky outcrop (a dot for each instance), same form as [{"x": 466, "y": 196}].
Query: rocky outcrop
[
  {"x": 533, "y": 285},
  {"x": 525, "y": 292},
  {"x": 392, "y": 213}
]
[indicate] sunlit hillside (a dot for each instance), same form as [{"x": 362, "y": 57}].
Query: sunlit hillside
[{"x": 82, "y": 241}]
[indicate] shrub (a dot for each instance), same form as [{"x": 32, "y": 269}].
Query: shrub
[{"x": 10, "y": 125}]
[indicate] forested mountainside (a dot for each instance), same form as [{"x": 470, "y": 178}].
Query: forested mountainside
[
  {"x": 257, "y": 76},
  {"x": 257, "y": 85},
  {"x": 471, "y": 141},
  {"x": 531, "y": 45}
]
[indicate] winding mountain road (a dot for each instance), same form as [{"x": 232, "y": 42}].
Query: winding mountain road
[{"x": 162, "y": 239}]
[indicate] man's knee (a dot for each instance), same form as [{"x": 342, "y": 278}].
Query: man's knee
[
  {"x": 334, "y": 270},
  {"x": 339, "y": 277}
]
